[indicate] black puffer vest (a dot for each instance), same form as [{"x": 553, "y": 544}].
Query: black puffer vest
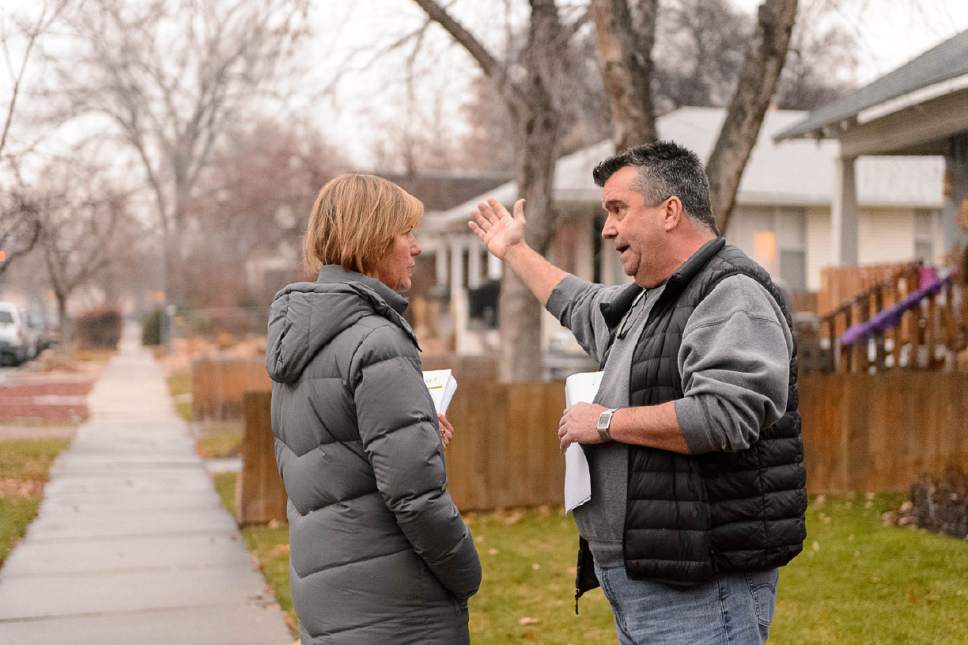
[{"x": 692, "y": 517}]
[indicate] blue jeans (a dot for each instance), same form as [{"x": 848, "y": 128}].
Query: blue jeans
[{"x": 733, "y": 609}]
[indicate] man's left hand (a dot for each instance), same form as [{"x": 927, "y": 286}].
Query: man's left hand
[{"x": 579, "y": 424}]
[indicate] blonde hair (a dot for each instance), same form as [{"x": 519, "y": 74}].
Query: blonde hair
[{"x": 354, "y": 221}]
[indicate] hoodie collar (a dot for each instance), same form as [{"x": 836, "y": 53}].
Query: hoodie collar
[{"x": 336, "y": 274}]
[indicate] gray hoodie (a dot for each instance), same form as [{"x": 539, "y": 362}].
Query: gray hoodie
[{"x": 379, "y": 552}]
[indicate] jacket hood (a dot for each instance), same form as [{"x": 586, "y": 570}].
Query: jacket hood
[{"x": 305, "y": 316}]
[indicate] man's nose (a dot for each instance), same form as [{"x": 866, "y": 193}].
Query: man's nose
[
  {"x": 415, "y": 250},
  {"x": 608, "y": 229}
]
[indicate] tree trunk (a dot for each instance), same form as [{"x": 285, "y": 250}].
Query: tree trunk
[
  {"x": 761, "y": 69},
  {"x": 521, "y": 356},
  {"x": 537, "y": 124},
  {"x": 66, "y": 331},
  {"x": 625, "y": 59}
]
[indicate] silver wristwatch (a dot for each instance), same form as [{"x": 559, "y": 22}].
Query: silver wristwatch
[{"x": 604, "y": 422}]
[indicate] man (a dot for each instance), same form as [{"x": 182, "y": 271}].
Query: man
[{"x": 694, "y": 438}]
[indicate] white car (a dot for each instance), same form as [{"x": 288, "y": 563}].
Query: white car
[{"x": 15, "y": 338}]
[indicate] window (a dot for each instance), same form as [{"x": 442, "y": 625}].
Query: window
[
  {"x": 793, "y": 270},
  {"x": 764, "y": 249},
  {"x": 791, "y": 227},
  {"x": 924, "y": 235}
]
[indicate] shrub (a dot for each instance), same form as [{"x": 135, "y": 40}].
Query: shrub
[
  {"x": 151, "y": 328},
  {"x": 940, "y": 504},
  {"x": 98, "y": 328}
]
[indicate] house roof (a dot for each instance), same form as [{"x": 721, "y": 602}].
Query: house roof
[
  {"x": 946, "y": 61},
  {"x": 792, "y": 173},
  {"x": 440, "y": 191}
]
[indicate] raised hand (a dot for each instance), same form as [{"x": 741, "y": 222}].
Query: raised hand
[{"x": 497, "y": 228}]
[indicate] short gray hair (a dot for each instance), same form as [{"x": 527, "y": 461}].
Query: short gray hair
[{"x": 665, "y": 169}]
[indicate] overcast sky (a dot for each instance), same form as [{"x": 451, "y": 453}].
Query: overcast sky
[
  {"x": 888, "y": 33},
  {"x": 369, "y": 100}
]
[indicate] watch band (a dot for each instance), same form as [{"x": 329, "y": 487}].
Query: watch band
[{"x": 604, "y": 424}]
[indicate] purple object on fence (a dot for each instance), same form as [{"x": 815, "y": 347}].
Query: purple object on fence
[{"x": 891, "y": 317}]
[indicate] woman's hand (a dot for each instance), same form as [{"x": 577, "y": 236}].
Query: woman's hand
[{"x": 446, "y": 430}]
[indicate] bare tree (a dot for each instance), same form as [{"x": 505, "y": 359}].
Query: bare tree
[
  {"x": 700, "y": 54},
  {"x": 529, "y": 97},
  {"x": 171, "y": 77},
  {"x": 19, "y": 228},
  {"x": 625, "y": 56},
  {"x": 758, "y": 75},
  {"x": 757, "y": 82},
  {"x": 19, "y": 224},
  {"x": 820, "y": 65},
  {"x": 252, "y": 204},
  {"x": 30, "y": 31},
  {"x": 79, "y": 212}
]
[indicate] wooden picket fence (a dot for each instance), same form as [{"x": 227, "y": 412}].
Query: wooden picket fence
[
  {"x": 861, "y": 433},
  {"x": 260, "y": 496},
  {"x": 879, "y": 432},
  {"x": 219, "y": 383},
  {"x": 939, "y": 322}
]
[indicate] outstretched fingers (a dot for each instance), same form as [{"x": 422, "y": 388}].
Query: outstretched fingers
[
  {"x": 519, "y": 209},
  {"x": 477, "y": 230}
]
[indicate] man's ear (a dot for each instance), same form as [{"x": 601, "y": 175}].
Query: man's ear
[{"x": 672, "y": 213}]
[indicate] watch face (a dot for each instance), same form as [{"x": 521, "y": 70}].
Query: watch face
[{"x": 604, "y": 419}]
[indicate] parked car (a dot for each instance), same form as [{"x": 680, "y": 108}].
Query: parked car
[
  {"x": 40, "y": 334},
  {"x": 16, "y": 340}
]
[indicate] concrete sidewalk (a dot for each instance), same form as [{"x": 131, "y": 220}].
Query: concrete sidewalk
[{"x": 132, "y": 544}]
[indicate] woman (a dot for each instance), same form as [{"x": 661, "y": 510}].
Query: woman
[{"x": 379, "y": 552}]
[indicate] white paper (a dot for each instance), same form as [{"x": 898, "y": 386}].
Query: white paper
[
  {"x": 579, "y": 388},
  {"x": 442, "y": 385}
]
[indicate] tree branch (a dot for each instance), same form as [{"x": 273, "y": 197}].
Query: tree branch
[
  {"x": 626, "y": 69},
  {"x": 762, "y": 65},
  {"x": 488, "y": 64}
]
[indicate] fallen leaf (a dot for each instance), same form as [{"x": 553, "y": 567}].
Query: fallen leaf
[{"x": 279, "y": 549}]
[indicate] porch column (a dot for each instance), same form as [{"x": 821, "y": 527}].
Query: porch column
[
  {"x": 440, "y": 262},
  {"x": 493, "y": 267},
  {"x": 843, "y": 213},
  {"x": 456, "y": 268},
  {"x": 955, "y": 212},
  {"x": 473, "y": 263}
]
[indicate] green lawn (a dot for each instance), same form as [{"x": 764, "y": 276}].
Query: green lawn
[
  {"x": 270, "y": 546},
  {"x": 180, "y": 385},
  {"x": 857, "y": 581},
  {"x": 24, "y": 465},
  {"x": 219, "y": 439},
  {"x": 214, "y": 438}
]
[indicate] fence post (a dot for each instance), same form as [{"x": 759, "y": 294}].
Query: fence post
[{"x": 260, "y": 496}]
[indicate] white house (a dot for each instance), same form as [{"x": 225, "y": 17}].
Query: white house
[{"x": 782, "y": 216}]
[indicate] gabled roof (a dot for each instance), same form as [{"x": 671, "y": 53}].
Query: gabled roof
[
  {"x": 792, "y": 173},
  {"x": 946, "y": 61},
  {"x": 441, "y": 190}
]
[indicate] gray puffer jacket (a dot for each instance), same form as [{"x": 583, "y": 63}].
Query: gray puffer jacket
[{"x": 379, "y": 552}]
